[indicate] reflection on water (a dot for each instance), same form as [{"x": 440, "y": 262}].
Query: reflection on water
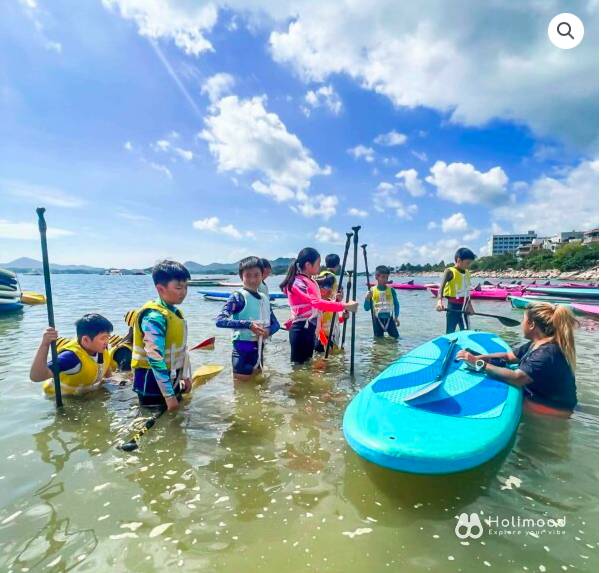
[{"x": 258, "y": 476}]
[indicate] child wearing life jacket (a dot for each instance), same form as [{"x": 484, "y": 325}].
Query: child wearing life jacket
[
  {"x": 332, "y": 270},
  {"x": 160, "y": 355},
  {"x": 248, "y": 312},
  {"x": 83, "y": 363},
  {"x": 306, "y": 304},
  {"x": 326, "y": 290},
  {"x": 385, "y": 304},
  {"x": 266, "y": 266},
  {"x": 455, "y": 287}
]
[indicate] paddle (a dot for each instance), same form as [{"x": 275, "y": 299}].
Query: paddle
[
  {"x": 439, "y": 379},
  {"x": 340, "y": 279},
  {"x": 208, "y": 344},
  {"x": 354, "y": 317},
  {"x": 202, "y": 375},
  {"x": 348, "y": 297},
  {"x": 504, "y": 320},
  {"x": 49, "y": 306},
  {"x": 371, "y": 304}
]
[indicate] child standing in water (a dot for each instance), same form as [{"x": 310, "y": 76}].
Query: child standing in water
[
  {"x": 306, "y": 304},
  {"x": 455, "y": 287},
  {"x": 385, "y": 304},
  {"x": 249, "y": 313},
  {"x": 266, "y": 266}
]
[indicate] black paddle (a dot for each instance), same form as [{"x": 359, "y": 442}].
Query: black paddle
[
  {"x": 354, "y": 317},
  {"x": 132, "y": 443},
  {"x": 49, "y": 306},
  {"x": 371, "y": 302},
  {"x": 504, "y": 320},
  {"x": 349, "y": 283},
  {"x": 340, "y": 279}
]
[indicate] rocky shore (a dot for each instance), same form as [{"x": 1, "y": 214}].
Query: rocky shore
[{"x": 584, "y": 275}]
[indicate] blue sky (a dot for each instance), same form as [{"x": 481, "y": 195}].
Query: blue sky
[{"x": 213, "y": 130}]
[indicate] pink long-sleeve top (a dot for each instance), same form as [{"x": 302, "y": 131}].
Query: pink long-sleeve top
[{"x": 306, "y": 302}]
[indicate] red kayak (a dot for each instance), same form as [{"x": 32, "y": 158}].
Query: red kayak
[{"x": 488, "y": 294}]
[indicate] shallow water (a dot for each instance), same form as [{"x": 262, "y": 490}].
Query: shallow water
[{"x": 258, "y": 477}]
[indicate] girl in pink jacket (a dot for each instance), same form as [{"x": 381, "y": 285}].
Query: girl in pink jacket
[{"x": 306, "y": 304}]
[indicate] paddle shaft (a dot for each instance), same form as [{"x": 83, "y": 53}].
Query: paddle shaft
[
  {"x": 348, "y": 297},
  {"x": 354, "y": 317},
  {"x": 132, "y": 443},
  {"x": 49, "y": 306},
  {"x": 330, "y": 343},
  {"x": 504, "y": 319},
  {"x": 371, "y": 303}
]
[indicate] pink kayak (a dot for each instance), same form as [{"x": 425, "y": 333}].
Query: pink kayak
[
  {"x": 404, "y": 286},
  {"x": 590, "y": 309},
  {"x": 489, "y": 294},
  {"x": 577, "y": 285}
]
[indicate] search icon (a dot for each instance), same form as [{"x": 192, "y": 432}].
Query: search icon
[{"x": 565, "y": 31}]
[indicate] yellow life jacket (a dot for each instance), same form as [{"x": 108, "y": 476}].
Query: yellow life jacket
[
  {"x": 88, "y": 378},
  {"x": 383, "y": 300},
  {"x": 175, "y": 338},
  {"x": 459, "y": 285}
]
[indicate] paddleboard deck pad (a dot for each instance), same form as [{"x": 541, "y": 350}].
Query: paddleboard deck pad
[{"x": 461, "y": 424}]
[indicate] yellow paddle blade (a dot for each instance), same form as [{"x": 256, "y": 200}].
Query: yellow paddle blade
[
  {"x": 204, "y": 373},
  {"x": 31, "y": 297}
]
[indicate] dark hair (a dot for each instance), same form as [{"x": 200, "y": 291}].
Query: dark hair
[
  {"x": 165, "y": 271},
  {"x": 249, "y": 263},
  {"x": 91, "y": 325},
  {"x": 464, "y": 254},
  {"x": 382, "y": 270},
  {"x": 265, "y": 264},
  {"x": 332, "y": 261},
  {"x": 326, "y": 281},
  {"x": 307, "y": 255}
]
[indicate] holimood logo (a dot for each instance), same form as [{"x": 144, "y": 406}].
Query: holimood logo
[{"x": 469, "y": 526}]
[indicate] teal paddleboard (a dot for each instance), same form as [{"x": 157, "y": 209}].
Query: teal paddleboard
[
  {"x": 462, "y": 423},
  {"x": 590, "y": 293}
]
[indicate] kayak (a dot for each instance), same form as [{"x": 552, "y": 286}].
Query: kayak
[
  {"x": 524, "y": 301},
  {"x": 590, "y": 293},
  {"x": 230, "y": 285},
  {"x": 203, "y": 282},
  {"x": 215, "y": 294},
  {"x": 488, "y": 294},
  {"x": 588, "y": 309},
  {"x": 461, "y": 424},
  {"x": 10, "y": 305},
  {"x": 9, "y": 295}
]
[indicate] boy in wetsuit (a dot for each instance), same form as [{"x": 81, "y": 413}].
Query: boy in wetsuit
[
  {"x": 160, "y": 355},
  {"x": 455, "y": 287},
  {"x": 248, "y": 312}
]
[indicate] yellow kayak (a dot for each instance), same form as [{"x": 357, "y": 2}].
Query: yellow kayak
[{"x": 31, "y": 297}]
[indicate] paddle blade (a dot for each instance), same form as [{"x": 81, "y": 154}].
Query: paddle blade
[
  {"x": 208, "y": 344},
  {"x": 31, "y": 298},
  {"x": 129, "y": 446},
  {"x": 425, "y": 390},
  {"x": 204, "y": 373},
  {"x": 506, "y": 321}
]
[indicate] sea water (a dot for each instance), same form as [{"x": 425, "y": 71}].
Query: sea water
[{"x": 258, "y": 477}]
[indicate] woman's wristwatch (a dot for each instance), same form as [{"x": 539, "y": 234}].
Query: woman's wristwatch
[{"x": 480, "y": 365}]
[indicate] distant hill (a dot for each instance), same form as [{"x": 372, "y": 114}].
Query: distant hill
[
  {"x": 25, "y": 264},
  {"x": 279, "y": 266}
]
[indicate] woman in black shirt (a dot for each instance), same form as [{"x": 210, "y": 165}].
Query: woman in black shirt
[{"x": 547, "y": 362}]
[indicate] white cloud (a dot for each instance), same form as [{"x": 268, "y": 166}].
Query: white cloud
[
  {"x": 41, "y": 194},
  {"x": 213, "y": 224},
  {"x": 411, "y": 182},
  {"x": 385, "y": 199},
  {"x": 455, "y": 223},
  {"x": 185, "y": 23},
  {"x": 421, "y": 155},
  {"x": 37, "y": 16},
  {"x": 327, "y": 235},
  {"x": 391, "y": 138},
  {"x": 554, "y": 204},
  {"x": 245, "y": 138},
  {"x": 433, "y": 252},
  {"x": 325, "y": 96},
  {"x": 128, "y": 146},
  {"x": 166, "y": 146},
  {"x": 447, "y": 56},
  {"x": 184, "y": 153},
  {"x": 362, "y": 152},
  {"x": 472, "y": 235},
  {"x": 160, "y": 168},
  {"x": 432, "y": 225},
  {"x": 354, "y": 212},
  {"x": 463, "y": 183},
  {"x": 218, "y": 86},
  {"x": 29, "y": 231}
]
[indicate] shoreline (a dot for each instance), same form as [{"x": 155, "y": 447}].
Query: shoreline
[{"x": 583, "y": 275}]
